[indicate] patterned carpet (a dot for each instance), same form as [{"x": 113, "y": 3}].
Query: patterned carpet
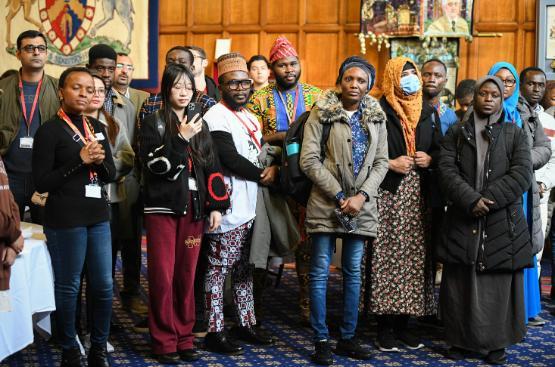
[{"x": 294, "y": 344}]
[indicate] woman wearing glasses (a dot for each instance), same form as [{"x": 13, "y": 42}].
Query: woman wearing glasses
[
  {"x": 183, "y": 185},
  {"x": 515, "y": 112},
  {"x": 122, "y": 154},
  {"x": 72, "y": 161}
]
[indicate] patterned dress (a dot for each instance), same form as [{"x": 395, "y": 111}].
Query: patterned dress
[{"x": 401, "y": 275}]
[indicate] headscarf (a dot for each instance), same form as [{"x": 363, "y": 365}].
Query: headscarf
[
  {"x": 510, "y": 104},
  {"x": 357, "y": 62},
  {"x": 281, "y": 49},
  {"x": 494, "y": 117},
  {"x": 407, "y": 108}
]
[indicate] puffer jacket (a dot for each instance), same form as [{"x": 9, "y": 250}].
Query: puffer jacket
[
  {"x": 335, "y": 173},
  {"x": 499, "y": 241},
  {"x": 541, "y": 153},
  {"x": 10, "y": 107}
]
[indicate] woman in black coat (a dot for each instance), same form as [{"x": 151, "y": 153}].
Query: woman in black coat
[{"x": 485, "y": 166}]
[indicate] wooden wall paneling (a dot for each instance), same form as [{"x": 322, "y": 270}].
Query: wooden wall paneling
[
  {"x": 500, "y": 11},
  {"x": 280, "y": 12},
  {"x": 208, "y": 42},
  {"x": 269, "y": 39},
  {"x": 353, "y": 11},
  {"x": 529, "y": 49},
  {"x": 488, "y": 51},
  {"x": 244, "y": 12},
  {"x": 206, "y": 12},
  {"x": 245, "y": 43},
  {"x": 322, "y": 11},
  {"x": 320, "y": 65},
  {"x": 176, "y": 14}
]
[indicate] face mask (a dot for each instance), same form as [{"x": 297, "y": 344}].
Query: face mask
[{"x": 410, "y": 84}]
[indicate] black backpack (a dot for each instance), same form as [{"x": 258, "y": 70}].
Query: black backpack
[{"x": 293, "y": 181}]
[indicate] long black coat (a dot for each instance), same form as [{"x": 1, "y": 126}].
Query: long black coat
[{"x": 500, "y": 241}]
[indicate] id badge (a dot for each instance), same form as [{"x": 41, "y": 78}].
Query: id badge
[
  {"x": 93, "y": 191},
  {"x": 26, "y": 142},
  {"x": 99, "y": 136}
]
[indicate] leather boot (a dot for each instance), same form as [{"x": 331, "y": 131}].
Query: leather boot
[
  {"x": 98, "y": 356},
  {"x": 218, "y": 343}
]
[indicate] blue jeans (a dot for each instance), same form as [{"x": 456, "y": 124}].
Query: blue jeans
[
  {"x": 322, "y": 249},
  {"x": 69, "y": 248}
]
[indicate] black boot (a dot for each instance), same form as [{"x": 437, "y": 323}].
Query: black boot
[
  {"x": 252, "y": 335},
  {"x": 322, "y": 353},
  {"x": 98, "y": 356},
  {"x": 353, "y": 349},
  {"x": 218, "y": 343},
  {"x": 259, "y": 284},
  {"x": 71, "y": 358},
  {"x": 496, "y": 357}
]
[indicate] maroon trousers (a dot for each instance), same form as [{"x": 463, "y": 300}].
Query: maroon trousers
[{"x": 173, "y": 249}]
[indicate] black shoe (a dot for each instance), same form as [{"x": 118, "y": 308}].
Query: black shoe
[
  {"x": 386, "y": 341},
  {"x": 352, "y": 349},
  {"x": 410, "y": 340},
  {"x": 71, "y": 358},
  {"x": 98, "y": 356},
  {"x": 141, "y": 326},
  {"x": 322, "y": 353},
  {"x": 536, "y": 321},
  {"x": 496, "y": 357},
  {"x": 252, "y": 335},
  {"x": 168, "y": 358},
  {"x": 189, "y": 355},
  {"x": 455, "y": 353},
  {"x": 218, "y": 343}
]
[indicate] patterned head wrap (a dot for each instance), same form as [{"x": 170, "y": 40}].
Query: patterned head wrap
[{"x": 281, "y": 49}]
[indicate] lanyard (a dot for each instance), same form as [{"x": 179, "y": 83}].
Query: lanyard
[
  {"x": 89, "y": 135},
  {"x": 250, "y": 132},
  {"x": 28, "y": 119},
  {"x": 290, "y": 119}
]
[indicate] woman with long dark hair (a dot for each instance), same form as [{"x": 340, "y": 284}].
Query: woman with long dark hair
[
  {"x": 72, "y": 161},
  {"x": 183, "y": 185}
]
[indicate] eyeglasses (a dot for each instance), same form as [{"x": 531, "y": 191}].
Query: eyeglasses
[
  {"x": 508, "y": 82},
  {"x": 31, "y": 49},
  {"x": 186, "y": 87},
  {"x": 129, "y": 67},
  {"x": 234, "y": 84},
  {"x": 100, "y": 91}
]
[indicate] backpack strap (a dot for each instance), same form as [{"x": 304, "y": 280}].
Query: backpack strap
[
  {"x": 160, "y": 126},
  {"x": 325, "y": 136}
]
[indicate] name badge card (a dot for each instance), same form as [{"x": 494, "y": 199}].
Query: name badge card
[
  {"x": 93, "y": 191},
  {"x": 99, "y": 136},
  {"x": 26, "y": 142}
]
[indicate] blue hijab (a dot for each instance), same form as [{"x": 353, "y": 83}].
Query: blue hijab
[{"x": 509, "y": 104}]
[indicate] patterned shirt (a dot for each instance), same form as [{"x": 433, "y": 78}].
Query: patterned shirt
[
  {"x": 269, "y": 108},
  {"x": 109, "y": 102},
  {"x": 360, "y": 139},
  {"x": 154, "y": 103},
  {"x": 447, "y": 116}
]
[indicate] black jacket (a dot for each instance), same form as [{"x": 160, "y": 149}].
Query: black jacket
[
  {"x": 500, "y": 241},
  {"x": 427, "y": 140},
  {"x": 167, "y": 164}
]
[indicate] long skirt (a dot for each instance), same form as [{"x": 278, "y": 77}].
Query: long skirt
[
  {"x": 401, "y": 274},
  {"x": 481, "y": 312}
]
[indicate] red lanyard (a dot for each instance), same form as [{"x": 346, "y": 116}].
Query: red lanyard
[
  {"x": 89, "y": 135},
  {"x": 28, "y": 119},
  {"x": 290, "y": 118},
  {"x": 250, "y": 132}
]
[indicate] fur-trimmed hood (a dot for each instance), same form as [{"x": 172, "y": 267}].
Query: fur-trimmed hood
[{"x": 330, "y": 109}]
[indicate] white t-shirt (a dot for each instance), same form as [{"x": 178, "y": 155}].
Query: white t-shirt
[{"x": 242, "y": 193}]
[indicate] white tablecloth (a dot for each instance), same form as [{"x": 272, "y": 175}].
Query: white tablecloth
[{"x": 31, "y": 296}]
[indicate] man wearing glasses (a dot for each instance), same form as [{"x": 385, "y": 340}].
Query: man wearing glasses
[
  {"x": 203, "y": 82},
  {"x": 123, "y": 77},
  {"x": 277, "y": 106},
  {"x": 30, "y": 98}
]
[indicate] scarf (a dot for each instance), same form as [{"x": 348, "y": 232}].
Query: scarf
[
  {"x": 407, "y": 108},
  {"x": 510, "y": 104}
]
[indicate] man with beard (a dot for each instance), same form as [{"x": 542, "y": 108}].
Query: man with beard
[
  {"x": 277, "y": 106},
  {"x": 237, "y": 135},
  {"x": 37, "y": 93}
]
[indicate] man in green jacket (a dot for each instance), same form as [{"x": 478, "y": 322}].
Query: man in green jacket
[{"x": 29, "y": 99}]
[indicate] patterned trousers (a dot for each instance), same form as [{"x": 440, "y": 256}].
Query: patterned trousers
[{"x": 229, "y": 252}]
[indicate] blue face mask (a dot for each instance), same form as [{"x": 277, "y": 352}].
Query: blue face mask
[{"x": 410, "y": 84}]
